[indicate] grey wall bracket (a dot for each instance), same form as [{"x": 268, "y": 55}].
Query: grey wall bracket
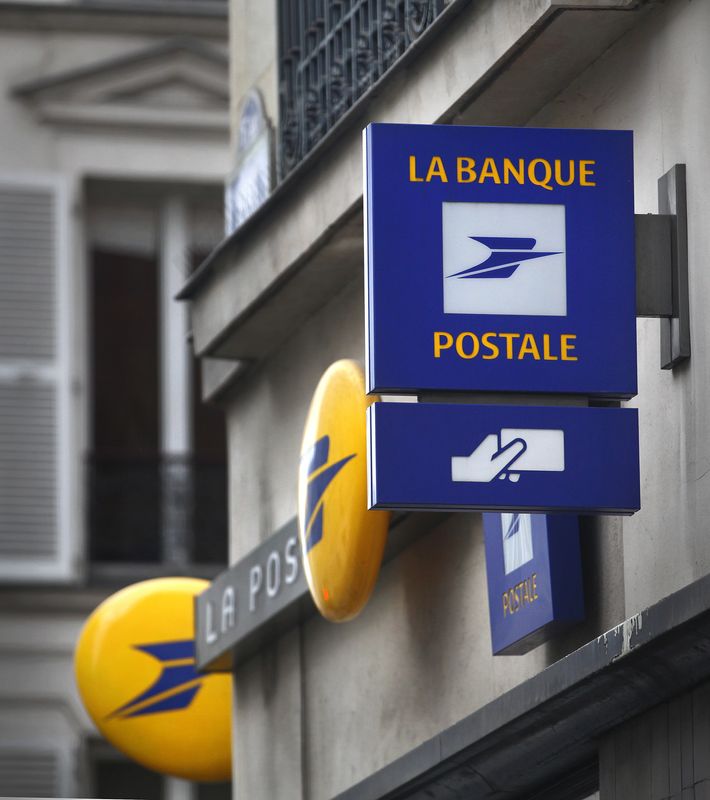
[{"x": 662, "y": 267}]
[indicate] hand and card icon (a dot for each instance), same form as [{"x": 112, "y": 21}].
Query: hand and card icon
[{"x": 509, "y": 453}]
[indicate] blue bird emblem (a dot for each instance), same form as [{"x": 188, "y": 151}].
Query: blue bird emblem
[
  {"x": 506, "y": 254},
  {"x": 513, "y": 527},
  {"x": 320, "y": 474},
  {"x": 176, "y": 686}
]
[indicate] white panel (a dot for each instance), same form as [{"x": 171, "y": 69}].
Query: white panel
[
  {"x": 504, "y": 258},
  {"x": 545, "y": 449},
  {"x": 517, "y": 540}
]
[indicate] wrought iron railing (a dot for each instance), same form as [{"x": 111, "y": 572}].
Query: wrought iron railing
[
  {"x": 330, "y": 53},
  {"x": 162, "y": 510}
]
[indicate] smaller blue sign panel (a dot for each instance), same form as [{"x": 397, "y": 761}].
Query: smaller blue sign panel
[
  {"x": 499, "y": 259},
  {"x": 534, "y": 578},
  {"x": 503, "y": 458}
]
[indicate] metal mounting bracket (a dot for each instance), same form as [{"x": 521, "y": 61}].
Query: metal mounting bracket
[{"x": 662, "y": 267}]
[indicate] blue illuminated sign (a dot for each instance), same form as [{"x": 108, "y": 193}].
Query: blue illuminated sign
[
  {"x": 534, "y": 578},
  {"x": 500, "y": 259},
  {"x": 500, "y": 457}
]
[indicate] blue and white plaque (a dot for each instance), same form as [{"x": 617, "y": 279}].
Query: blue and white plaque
[
  {"x": 499, "y": 260},
  {"x": 534, "y": 578}
]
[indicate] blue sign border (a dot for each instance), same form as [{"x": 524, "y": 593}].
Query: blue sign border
[{"x": 404, "y": 274}]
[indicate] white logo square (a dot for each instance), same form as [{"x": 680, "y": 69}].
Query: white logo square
[
  {"x": 504, "y": 258},
  {"x": 517, "y": 540}
]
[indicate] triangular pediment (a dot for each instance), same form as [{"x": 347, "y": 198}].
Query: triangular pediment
[
  {"x": 171, "y": 91},
  {"x": 181, "y": 82}
]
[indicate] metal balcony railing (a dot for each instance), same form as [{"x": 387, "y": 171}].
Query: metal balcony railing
[
  {"x": 168, "y": 511},
  {"x": 330, "y": 53}
]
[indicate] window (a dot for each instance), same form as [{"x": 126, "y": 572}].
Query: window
[{"x": 157, "y": 466}]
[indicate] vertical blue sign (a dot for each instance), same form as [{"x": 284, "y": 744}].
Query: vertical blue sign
[{"x": 534, "y": 578}]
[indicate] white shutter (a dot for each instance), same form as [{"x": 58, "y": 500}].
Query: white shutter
[
  {"x": 34, "y": 380},
  {"x": 34, "y": 770}
]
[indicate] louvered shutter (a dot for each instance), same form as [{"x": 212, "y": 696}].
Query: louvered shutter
[
  {"x": 34, "y": 770},
  {"x": 34, "y": 379}
]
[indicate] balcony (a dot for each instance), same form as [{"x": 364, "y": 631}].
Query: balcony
[
  {"x": 156, "y": 516},
  {"x": 331, "y": 53}
]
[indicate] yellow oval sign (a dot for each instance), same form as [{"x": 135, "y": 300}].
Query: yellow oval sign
[
  {"x": 341, "y": 541},
  {"x": 135, "y": 669}
]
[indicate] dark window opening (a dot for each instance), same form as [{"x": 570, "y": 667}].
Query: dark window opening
[
  {"x": 124, "y": 518},
  {"x": 210, "y": 539},
  {"x": 139, "y": 500},
  {"x": 113, "y": 775}
]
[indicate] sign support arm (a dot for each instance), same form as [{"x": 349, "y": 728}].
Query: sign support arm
[{"x": 662, "y": 267}]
